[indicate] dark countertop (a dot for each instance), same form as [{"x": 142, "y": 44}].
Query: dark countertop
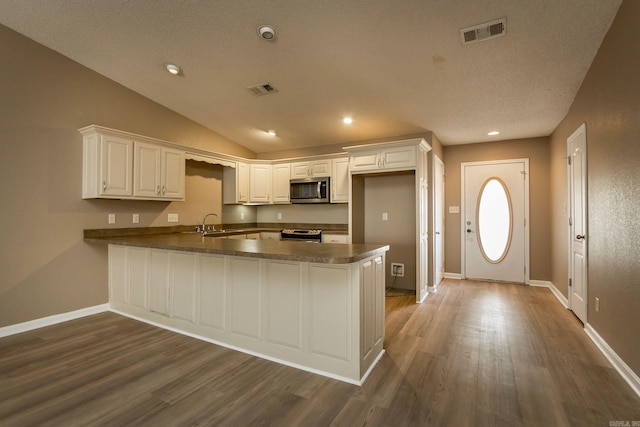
[{"x": 326, "y": 253}]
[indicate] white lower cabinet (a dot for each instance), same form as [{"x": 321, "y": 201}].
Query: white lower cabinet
[
  {"x": 328, "y": 318},
  {"x": 334, "y": 238}
]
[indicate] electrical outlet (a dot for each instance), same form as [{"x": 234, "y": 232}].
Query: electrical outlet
[
  {"x": 112, "y": 218},
  {"x": 279, "y": 215},
  {"x": 135, "y": 219},
  {"x": 397, "y": 269},
  {"x": 172, "y": 217},
  {"x": 385, "y": 216},
  {"x": 241, "y": 215},
  {"x": 598, "y": 304}
]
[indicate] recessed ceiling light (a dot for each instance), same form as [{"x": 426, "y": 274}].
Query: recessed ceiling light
[
  {"x": 267, "y": 32},
  {"x": 272, "y": 132},
  {"x": 173, "y": 69},
  {"x": 493, "y": 133},
  {"x": 347, "y": 120}
]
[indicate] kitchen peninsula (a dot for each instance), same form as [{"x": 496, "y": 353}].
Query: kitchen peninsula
[{"x": 314, "y": 306}]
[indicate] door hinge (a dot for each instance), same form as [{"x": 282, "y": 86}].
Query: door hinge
[
  {"x": 569, "y": 282},
  {"x": 569, "y": 160},
  {"x": 570, "y": 222}
]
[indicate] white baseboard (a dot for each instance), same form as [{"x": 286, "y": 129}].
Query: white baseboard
[
  {"x": 52, "y": 320},
  {"x": 546, "y": 284},
  {"x": 623, "y": 369},
  {"x": 457, "y": 276}
]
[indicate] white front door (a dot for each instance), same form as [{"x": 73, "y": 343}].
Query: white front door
[
  {"x": 495, "y": 237},
  {"x": 438, "y": 220},
  {"x": 577, "y": 154}
]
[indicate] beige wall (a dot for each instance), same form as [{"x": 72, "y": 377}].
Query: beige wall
[
  {"x": 609, "y": 103},
  {"x": 537, "y": 151},
  {"x": 45, "y": 267},
  {"x": 394, "y": 194}
]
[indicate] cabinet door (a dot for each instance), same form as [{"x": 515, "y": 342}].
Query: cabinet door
[
  {"x": 334, "y": 238},
  {"x": 173, "y": 171},
  {"x": 260, "y": 183},
  {"x": 147, "y": 170},
  {"x": 281, "y": 187},
  {"x": 340, "y": 180},
  {"x": 401, "y": 157},
  {"x": 364, "y": 161},
  {"x": 320, "y": 168},
  {"x": 300, "y": 170},
  {"x": 116, "y": 171}
]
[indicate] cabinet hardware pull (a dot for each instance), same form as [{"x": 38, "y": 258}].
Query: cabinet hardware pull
[
  {"x": 158, "y": 190},
  {"x": 163, "y": 190},
  {"x": 104, "y": 185}
]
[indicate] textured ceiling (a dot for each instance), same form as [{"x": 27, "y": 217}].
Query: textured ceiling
[{"x": 397, "y": 66}]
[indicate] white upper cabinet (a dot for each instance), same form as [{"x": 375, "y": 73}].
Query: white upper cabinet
[
  {"x": 158, "y": 172},
  {"x": 235, "y": 184},
  {"x": 340, "y": 180},
  {"x": 107, "y": 170},
  {"x": 259, "y": 183},
  {"x": 173, "y": 174},
  {"x": 379, "y": 158},
  {"x": 119, "y": 165},
  {"x": 311, "y": 168},
  {"x": 281, "y": 187}
]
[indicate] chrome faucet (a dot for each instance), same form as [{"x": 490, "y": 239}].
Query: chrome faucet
[{"x": 203, "y": 228}]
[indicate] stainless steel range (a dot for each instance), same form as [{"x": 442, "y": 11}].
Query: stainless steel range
[{"x": 314, "y": 236}]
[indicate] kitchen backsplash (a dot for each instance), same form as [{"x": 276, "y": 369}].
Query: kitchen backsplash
[{"x": 304, "y": 214}]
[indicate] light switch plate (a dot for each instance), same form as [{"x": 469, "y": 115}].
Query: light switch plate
[
  {"x": 385, "y": 216},
  {"x": 112, "y": 218},
  {"x": 454, "y": 209},
  {"x": 135, "y": 219},
  {"x": 172, "y": 217}
]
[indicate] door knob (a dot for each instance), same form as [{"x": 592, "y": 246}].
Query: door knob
[
  {"x": 580, "y": 236},
  {"x": 469, "y": 230}
]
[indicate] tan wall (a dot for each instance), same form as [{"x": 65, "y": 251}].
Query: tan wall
[
  {"x": 395, "y": 194},
  {"x": 609, "y": 103},
  {"x": 537, "y": 151},
  {"x": 45, "y": 267}
]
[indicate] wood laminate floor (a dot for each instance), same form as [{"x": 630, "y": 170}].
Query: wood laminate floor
[{"x": 474, "y": 354}]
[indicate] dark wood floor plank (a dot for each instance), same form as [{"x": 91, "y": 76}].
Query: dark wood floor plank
[{"x": 474, "y": 354}]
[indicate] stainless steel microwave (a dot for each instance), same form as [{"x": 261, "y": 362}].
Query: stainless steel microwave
[{"x": 310, "y": 190}]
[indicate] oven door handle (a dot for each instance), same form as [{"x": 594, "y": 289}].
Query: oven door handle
[{"x": 319, "y": 187}]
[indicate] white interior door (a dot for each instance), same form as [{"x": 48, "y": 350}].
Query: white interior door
[
  {"x": 577, "y": 153},
  {"x": 495, "y": 209},
  {"x": 438, "y": 220}
]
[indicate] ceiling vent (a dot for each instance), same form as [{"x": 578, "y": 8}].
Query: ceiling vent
[
  {"x": 262, "y": 89},
  {"x": 483, "y": 32}
]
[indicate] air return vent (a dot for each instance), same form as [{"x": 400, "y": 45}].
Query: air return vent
[
  {"x": 483, "y": 32},
  {"x": 262, "y": 89}
]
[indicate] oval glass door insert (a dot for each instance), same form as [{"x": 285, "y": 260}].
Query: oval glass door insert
[{"x": 494, "y": 219}]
